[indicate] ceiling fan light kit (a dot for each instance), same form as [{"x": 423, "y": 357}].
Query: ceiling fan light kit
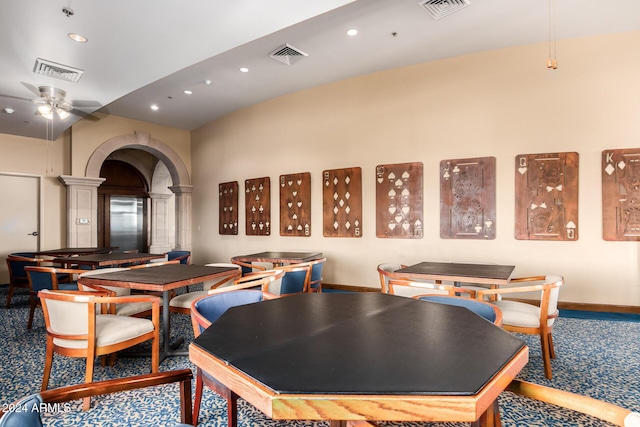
[{"x": 52, "y": 101}]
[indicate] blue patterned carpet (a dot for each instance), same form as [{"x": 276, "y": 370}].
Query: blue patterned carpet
[{"x": 598, "y": 358}]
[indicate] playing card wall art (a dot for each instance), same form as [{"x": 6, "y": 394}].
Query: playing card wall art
[
  {"x": 295, "y": 204},
  {"x": 399, "y": 201},
  {"x": 621, "y": 194},
  {"x": 342, "y": 202},
  {"x": 257, "y": 209},
  {"x": 468, "y": 198},
  {"x": 228, "y": 207},
  {"x": 546, "y": 191}
]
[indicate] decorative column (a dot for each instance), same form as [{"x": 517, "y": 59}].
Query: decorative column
[
  {"x": 183, "y": 216},
  {"x": 82, "y": 210},
  {"x": 160, "y": 223}
]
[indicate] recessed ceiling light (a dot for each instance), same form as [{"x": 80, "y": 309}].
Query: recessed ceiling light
[
  {"x": 208, "y": 82},
  {"x": 188, "y": 92},
  {"x": 352, "y": 32},
  {"x": 77, "y": 38},
  {"x": 9, "y": 110},
  {"x": 154, "y": 107},
  {"x": 244, "y": 69}
]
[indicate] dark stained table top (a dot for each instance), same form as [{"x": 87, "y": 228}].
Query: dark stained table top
[
  {"x": 278, "y": 257},
  {"x": 162, "y": 277},
  {"x": 491, "y": 274},
  {"x": 107, "y": 259},
  {"x": 366, "y": 343},
  {"x": 77, "y": 251}
]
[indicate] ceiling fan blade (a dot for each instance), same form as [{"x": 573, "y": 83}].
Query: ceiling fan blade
[
  {"x": 32, "y": 88},
  {"x": 79, "y": 103}
]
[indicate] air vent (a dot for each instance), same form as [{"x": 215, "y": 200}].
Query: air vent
[
  {"x": 58, "y": 71},
  {"x": 288, "y": 54},
  {"x": 441, "y": 8}
]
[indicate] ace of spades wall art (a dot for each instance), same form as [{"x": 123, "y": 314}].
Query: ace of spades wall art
[
  {"x": 228, "y": 206},
  {"x": 468, "y": 198},
  {"x": 546, "y": 196},
  {"x": 399, "y": 201},
  {"x": 621, "y": 194},
  {"x": 295, "y": 204}
]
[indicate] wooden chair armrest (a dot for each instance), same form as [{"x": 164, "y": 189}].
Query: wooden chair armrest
[
  {"x": 105, "y": 292},
  {"x": 587, "y": 405},
  {"x": 514, "y": 290},
  {"x": 248, "y": 264},
  {"x": 129, "y": 298},
  {"x": 233, "y": 275},
  {"x": 184, "y": 376},
  {"x": 236, "y": 287}
]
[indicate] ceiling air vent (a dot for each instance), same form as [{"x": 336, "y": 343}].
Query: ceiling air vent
[
  {"x": 288, "y": 54},
  {"x": 441, "y": 8},
  {"x": 58, "y": 71}
]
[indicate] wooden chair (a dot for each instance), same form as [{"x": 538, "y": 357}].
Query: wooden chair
[
  {"x": 27, "y": 413},
  {"x": 75, "y": 328},
  {"x": 484, "y": 309},
  {"x": 269, "y": 281},
  {"x": 412, "y": 288},
  {"x": 296, "y": 279},
  {"x": 41, "y": 278},
  {"x": 183, "y": 256},
  {"x": 315, "y": 282},
  {"x": 16, "y": 264},
  {"x": 386, "y": 272},
  {"x": 605, "y": 411},
  {"x": 206, "y": 310},
  {"x": 528, "y": 318},
  {"x": 251, "y": 267},
  {"x": 182, "y": 303}
]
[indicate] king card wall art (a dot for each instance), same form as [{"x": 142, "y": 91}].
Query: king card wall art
[
  {"x": 621, "y": 194},
  {"x": 546, "y": 192},
  {"x": 468, "y": 198}
]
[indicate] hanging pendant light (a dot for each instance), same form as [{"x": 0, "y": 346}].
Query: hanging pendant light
[{"x": 552, "y": 63}]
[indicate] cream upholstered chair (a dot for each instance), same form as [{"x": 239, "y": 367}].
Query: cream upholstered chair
[
  {"x": 182, "y": 303},
  {"x": 528, "y": 318},
  {"x": 119, "y": 307},
  {"x": 76, "y": 328},
  {"x": 605, "y": 411},
  {"x": 411, "y": 288},
  {"x": 385, "y": 271}
]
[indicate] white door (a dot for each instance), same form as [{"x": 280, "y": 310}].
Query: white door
[{"x": 19, "y": 217}]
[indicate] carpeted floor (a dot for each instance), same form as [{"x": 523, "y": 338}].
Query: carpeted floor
[{"x": 599, "y": 358}]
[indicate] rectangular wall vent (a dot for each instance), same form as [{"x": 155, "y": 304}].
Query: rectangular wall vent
[
  {"x": 288, "y": 54},
  {"x": 58, "y": 71},
  {"x": 441, "y": 8}
]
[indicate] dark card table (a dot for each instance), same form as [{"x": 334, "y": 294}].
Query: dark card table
[
  {"x": 361, "y": 356},
  {"x": 76, "y": 251},
  {"x": 489, "y": 274},
  {"x": 279, "y": 258},
  {"x": 107, "y": 260},
  {"x": 162, "y": 278}
]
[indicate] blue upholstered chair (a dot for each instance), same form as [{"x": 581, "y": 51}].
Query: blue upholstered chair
[
  {"x": 315, "y": 283},
  {"x": 297, "y": 279},
  {"x": 26, "y": 412},
  {"x": 47, "y": 278},
  {"x": 183, "y": 256},
  {"x": 204, "y": 311},
  {"x": 16, "y": 264},
  {"x": 481, "y": 308}
]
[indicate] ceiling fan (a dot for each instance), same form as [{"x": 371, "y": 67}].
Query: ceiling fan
[{"x": 52, "y": 101}]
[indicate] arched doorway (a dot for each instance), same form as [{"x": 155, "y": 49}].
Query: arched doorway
[{"x": 82, "y": 193}]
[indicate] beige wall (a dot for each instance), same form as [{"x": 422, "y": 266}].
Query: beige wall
[{"x": 501, "y": 103}]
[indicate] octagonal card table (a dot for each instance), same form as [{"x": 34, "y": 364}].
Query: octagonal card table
[{"x": 361, "y": 356}]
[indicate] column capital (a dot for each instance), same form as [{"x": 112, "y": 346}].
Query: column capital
[
  {"x": 180, "y": 189},
  {"x": 160, "y": 196},
  {"x": 86, "y": 181}
]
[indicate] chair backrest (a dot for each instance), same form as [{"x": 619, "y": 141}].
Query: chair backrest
[
  {"x": 411, "y": 288},
  {"x": 315, "y": 281},
  {"x": 67, "y": 313},
  {"x": 207, "y": 309},
  {"x": 41, "y": 278},
  {"x": 549, "y": 286},
  {"x": 227, "y": 280},
  {"x": 250, "y": 267},
  {"x": 183, "y": 256},
  {"x": 115, "y": 291},
  {"x": 386, "y": 272},
  {"x": 296, "y": 279},
  {"x": 484, "y": 309},
  {"x": 17, "y": 262}
]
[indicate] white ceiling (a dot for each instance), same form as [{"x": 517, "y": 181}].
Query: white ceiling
[{"x": 149, "y": 51}]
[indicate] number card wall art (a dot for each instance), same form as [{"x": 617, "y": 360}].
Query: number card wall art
[
  {"x": 468, "y": 198},
  {"x": 295, "y": 204},
  {"x": 621, "y": 194},
  {"x": 342, "y": 202},
  {"x": 257, "y": 206},
  {"x": 228, "y": 205},
  {"x": 399, "y": 201},
  {"x": 547, "y": 196}
]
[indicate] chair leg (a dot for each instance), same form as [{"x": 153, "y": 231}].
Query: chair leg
[
  {"x": 198, "y": 397},
  {"x": 86, "y": 402},
  {"x": 551, "y": 347},
  {"x": 32, "y": 309},
  {"x": 48, "y": 361},
  {"x": 546, "y": 354},
  {"x": 10, "y": 295}
]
